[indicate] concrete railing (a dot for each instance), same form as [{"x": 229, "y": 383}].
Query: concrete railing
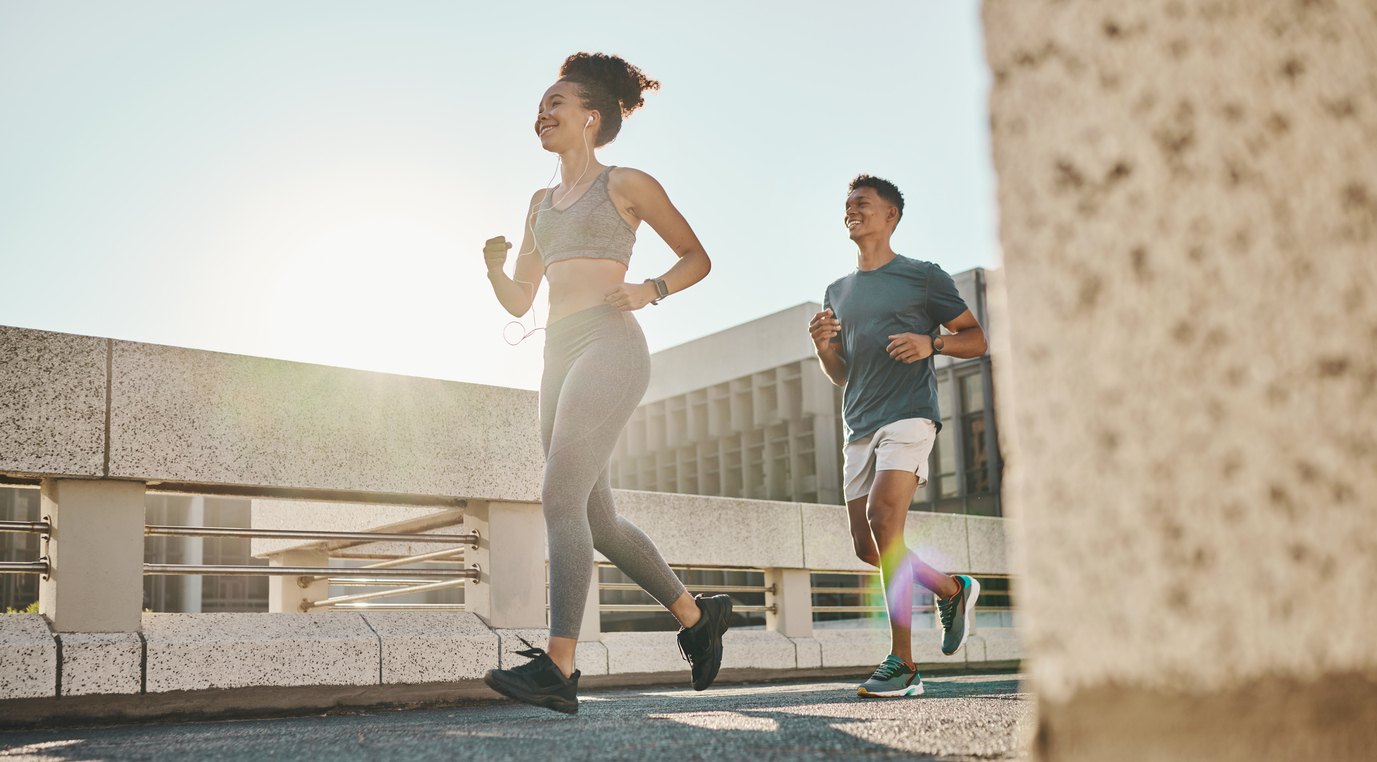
[{"x": 99, "y": 423}]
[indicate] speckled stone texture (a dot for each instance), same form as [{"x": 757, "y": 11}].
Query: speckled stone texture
[
  {"x": 52, "y": 403},
  {"x": 1188, "y": 383},
  {"x": 101, "y": 663},
  {"x": 184, "y": 415},
  {"x": 28, "y": 657},
  {"x": 432, "y": 646},
  {"x": 692, "y": 529},
  {"x": 938, "y": 538},
  {"x": 198, "y": 651}
]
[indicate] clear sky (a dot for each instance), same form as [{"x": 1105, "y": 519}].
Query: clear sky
[{"x": 314, "y": 180}]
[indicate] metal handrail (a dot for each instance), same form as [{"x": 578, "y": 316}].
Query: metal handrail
[
  {"x": 370, "y": 582},
  {"x": 38, "y": 527},
  {"x": 24, "y": 567},
  {"x": 360, "y": 597},
  {"x": 438, "y": 555},
  {"x": 401, "y": 606},
  {"x": 876, "y": 590},
  {"x": 469, "y": 538},
  {"x": 302, "y": 571}
]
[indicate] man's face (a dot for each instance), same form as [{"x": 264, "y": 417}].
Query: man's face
[{"x": 868, "y": 215}]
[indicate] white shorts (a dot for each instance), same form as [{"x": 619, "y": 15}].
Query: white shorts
[{"x": 900, "y": 446}]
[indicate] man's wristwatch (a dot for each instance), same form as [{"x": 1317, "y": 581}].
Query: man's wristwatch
[
  {"x": 937, "y": 344},
  {"x": 661, "y": 290}
]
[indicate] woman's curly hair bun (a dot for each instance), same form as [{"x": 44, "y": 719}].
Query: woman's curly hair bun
[{"x": 610, "y": 85}]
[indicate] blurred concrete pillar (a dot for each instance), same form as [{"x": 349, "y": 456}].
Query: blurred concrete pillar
[
  {"x": 95, "y": 556},
  {"x": 1188, "y": 371}
]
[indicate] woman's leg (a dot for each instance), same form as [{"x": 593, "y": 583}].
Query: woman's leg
[
  {"x": 635, "y": 554},
  {"x": 596, "y": 399}
]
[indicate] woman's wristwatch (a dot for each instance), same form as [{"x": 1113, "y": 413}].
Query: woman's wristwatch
[
  {"x": 937, "y": 344},
  {"x": 661, "y": 290}
]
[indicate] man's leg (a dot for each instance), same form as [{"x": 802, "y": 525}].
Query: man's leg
[{"x": 886, "y": 512}]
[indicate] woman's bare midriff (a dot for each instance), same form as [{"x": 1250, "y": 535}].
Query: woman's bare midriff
[{"x": 577, "y": 284}]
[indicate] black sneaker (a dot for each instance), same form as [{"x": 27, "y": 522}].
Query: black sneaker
[
  {"x": 538, "y": 682},
  {"x": 701, "y": 644}
]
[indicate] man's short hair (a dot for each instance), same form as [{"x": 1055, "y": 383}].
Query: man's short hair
[{"x": 883, "y": 188}]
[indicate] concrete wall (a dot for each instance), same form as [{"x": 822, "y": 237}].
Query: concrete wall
[
  {"x": 219, "y": 420},
  {"x": 1188, "y": 382}
]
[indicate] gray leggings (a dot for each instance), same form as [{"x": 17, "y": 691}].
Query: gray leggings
[{"x": 596, "y": 371}]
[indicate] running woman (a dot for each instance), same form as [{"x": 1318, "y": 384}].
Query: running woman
[
  {"x": 877, "y": 333},
  {"x": 578, "y": 237}
]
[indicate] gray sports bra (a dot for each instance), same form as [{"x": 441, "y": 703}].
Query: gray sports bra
[{"x": 590, "y": 227}]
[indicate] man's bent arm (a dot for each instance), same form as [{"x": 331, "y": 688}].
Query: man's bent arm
[
  {"x": 833, "y": 366},
  {"x": 967, "y": 338}
]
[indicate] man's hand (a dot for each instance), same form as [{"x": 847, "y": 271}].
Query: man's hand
[
  {"x": 909, "y": 348},
  {"x": 495, "y": 252},
  {"x": 826, "y": 331},
  {"x": 631, "y": 296}
]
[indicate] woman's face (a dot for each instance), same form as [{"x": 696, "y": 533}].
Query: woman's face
[{"x": 562, "y": 121}]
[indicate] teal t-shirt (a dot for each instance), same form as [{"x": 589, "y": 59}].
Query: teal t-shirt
[{"x": 903, "y": 296}]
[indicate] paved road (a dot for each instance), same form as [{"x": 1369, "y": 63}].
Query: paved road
[{"x": 959, "y": 718}]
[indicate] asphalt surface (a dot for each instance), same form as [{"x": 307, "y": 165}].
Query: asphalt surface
[{"x": 958, "y": 718}]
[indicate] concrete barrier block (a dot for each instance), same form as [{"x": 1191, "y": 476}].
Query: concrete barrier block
[
  {"x": 184, "y": 415},
  {"x": 717, "y": 531},
  {"x": 52, "y": 403},
  {"x": 827, "y": 540},
  {"x": 988, "y": 545},
  {"x": 28, "y": 657},
  {"x": 974, "y": 650},
  {"x": 630, "y": 652},
  {"x": 1001, "y": 644},
  {"x": 101, "y": 663},
  {"x": 198, "y": 651},
  {"x": 590, "y": 656},
  {"x": 808, "y": 652},
  {"x": 758, "y": 649},
  {"x": 867, "y": 647},
  {"x": 432, "y": 646}
]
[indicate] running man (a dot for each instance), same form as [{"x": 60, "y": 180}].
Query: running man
[{"x": 876, "y": 335}]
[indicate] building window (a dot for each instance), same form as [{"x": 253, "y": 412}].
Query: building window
[{"x": 976, "y": 456}]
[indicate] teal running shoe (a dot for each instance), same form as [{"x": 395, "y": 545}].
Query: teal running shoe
[
  {"x": 892, "y": 678},
  {"x": 956, "y": 614}
]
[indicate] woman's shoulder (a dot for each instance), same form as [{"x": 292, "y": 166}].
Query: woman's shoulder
[{"x": 630, "y": 179}]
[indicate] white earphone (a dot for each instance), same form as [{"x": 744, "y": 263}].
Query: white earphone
[{"x": 588, "y": 155}]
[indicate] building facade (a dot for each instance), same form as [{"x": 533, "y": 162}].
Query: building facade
[{"x": 747, "y": 412}]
